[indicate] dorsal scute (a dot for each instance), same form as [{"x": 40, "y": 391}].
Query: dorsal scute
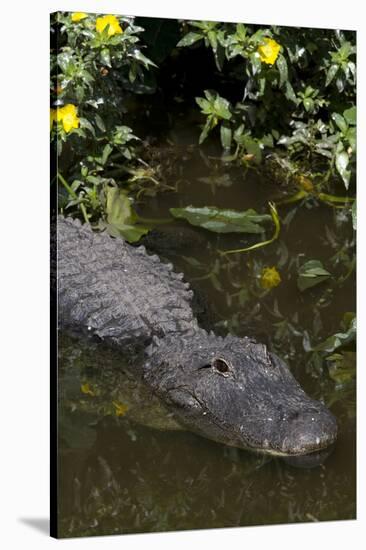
[{"x": 117, "y": 291}]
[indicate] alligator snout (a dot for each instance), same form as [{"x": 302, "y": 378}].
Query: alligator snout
[{"x": 309, "y": 431}]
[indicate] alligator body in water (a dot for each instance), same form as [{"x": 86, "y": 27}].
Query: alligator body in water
[{"x": 231, "y": 390}]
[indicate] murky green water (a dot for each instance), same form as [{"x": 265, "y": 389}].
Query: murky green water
[{"x": 118, "y": 474}]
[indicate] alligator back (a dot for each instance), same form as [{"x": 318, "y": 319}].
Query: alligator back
[{"x": 115, "y": 291}]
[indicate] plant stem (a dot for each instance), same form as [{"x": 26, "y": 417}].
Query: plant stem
[
  {"x": 72, "y": 194},
  {"x": 276, "y": 221}
]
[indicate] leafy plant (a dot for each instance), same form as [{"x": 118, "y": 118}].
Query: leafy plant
[
  {"x": 298, "y": 91},
  {"x": 94, "y": 60}
]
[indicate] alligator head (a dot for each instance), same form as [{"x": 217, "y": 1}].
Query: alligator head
[{"x": 232, "y": 390}]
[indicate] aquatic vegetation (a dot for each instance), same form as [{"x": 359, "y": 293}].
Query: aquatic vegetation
[{"x": 278, "y": 96}]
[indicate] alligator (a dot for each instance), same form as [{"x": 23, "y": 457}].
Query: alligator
[{"x": 228, "y": 389}]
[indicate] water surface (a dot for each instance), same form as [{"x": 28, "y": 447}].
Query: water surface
[{"x": 118, "y": 474}]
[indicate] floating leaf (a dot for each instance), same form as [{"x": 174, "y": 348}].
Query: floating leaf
[
  {"x": 222, "y": 221},
  {"x": 277, "y": 223},
  {"x": 311, "y": 274}
]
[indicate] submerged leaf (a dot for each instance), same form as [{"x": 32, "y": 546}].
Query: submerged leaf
[
  {"x": 222, "y": 221},
  {"x": 342, "y": 367},
  {"x": 311, "y": 274}
]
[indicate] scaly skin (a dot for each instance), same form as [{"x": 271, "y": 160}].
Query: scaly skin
[{"x": 231, "y": 390}]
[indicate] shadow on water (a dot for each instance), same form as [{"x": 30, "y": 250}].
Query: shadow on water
[{"x": 127, "y": 470}]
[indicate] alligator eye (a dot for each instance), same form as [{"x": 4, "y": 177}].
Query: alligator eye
[{"x": 220, "y": 365}]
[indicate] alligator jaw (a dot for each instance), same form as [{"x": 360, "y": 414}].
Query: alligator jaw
[{"x": 234, "y": 391}]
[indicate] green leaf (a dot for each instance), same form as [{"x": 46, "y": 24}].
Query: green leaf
[
  {"x": 225, "y": 135},
  {"x": 120, "y": 216},
  {"x": 340, "y": 122},
  {"x": 106, "y": 152},
  {"x": 190, "y": 39},
  {"x": 222, "y": 221},
  {"x": 209, "y": 125},
  {"x": 277, "y": 223},
  {"x": 105, "y": 57},
  {"x": 137, "y": 54},
  {"x": 308, "y": 104},
  {"x": 350, "y": 115},
  {"x": 100, "y": 123},
  {"x": 256, "y": 63},
  {"x": 332, "y": 71},
  {"x": 311, "y": 274},
  {"x": 253, "y": 148},
  {"x": 118, "y": 206},
  {"x": 290, "y": 94},
  {"x": 84, "y": 123},
  {"x": 351, "y": 137},
  {"x": 342, "y": 161},
  {"x": 339, "y": 339},
  {"x": 281, "y": 64},
  {"x": 222, "y": 108},
  {"x": 211, "y": 35}
]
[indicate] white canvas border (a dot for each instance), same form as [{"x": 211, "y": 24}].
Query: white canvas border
[{"x": 24, "y": 461}]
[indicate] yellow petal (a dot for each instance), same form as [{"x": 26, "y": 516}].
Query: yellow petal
[
  {"x": 269, "y": 51},
  {"x": 112, "y": 21},
  {"x": 85, "y": 388},
  {"x": 68, "y": 116},
  {"x": 120, "y": 408},
  {"x": 78, "y": 16},
  {"x": 270, "y": 277}
]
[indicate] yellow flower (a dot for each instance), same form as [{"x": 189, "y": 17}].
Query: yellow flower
[
  {"x": 112, "y": 21},
  {"x": 78, "y": 16},
  {"x": 53, "y": 117},
  {"x": 269, "y": 51},
  {"x": 120, "y": 408},
  {"x": 68, "y": 116},
  {"x": 270, "y": 277},
  {"x": 85, "y": 388}
]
